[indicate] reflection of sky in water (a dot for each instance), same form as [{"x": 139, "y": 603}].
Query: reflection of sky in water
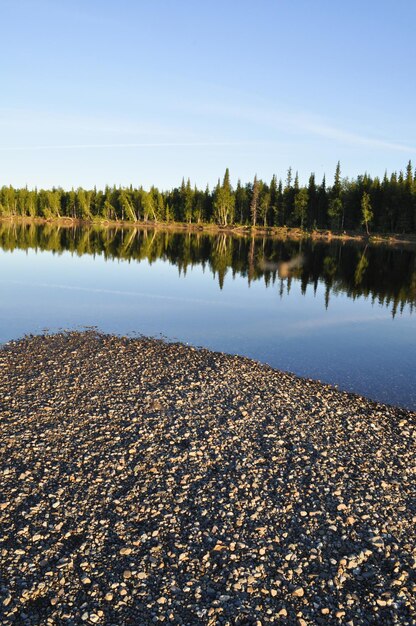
[{"x": 353, "y": 343}]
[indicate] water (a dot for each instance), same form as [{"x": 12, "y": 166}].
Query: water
[{"x": 340, "y": 313}]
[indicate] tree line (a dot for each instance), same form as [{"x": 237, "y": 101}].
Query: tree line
[{"x": 382, "y": 205}]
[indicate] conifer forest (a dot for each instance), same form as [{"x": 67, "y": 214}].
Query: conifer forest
[{"x": 367, "y": 204}]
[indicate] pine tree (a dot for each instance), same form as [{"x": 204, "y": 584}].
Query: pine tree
[
  {"x": 240, "y": 202},
  {"x": 188, "y": 205},
  {"x": 336, "y": 206},
  {"x": 336, "y": 189},
  {"x": 280, "y": 203},
  {"x": 312, "y": 202},
  {"x": 274, "y": 209},
  {"x": 288, "y": 195},
  {"x": 264, "y": 205},
  {"x": 254, "y": 204}
]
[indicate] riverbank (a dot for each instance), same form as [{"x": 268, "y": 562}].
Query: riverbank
[
  {"x": 146, "y": 482},
  {"x": 282, "y": 233}
]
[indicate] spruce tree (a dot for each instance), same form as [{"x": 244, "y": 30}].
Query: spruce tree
[{"x": 254, "y": 204}]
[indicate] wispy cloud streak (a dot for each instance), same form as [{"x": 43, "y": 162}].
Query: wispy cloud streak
[
  {"x": 299, "y": 122},
  {"x": 331, "y": 132},
  {"x": 97, "y": 146}
]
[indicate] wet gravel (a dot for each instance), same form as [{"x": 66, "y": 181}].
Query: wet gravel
[{"x": 145, "y": 482}]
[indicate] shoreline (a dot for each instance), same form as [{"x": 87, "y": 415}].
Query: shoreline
[
  {"x": 147, "y": 482},
  {"x": 282, "y": 233}
]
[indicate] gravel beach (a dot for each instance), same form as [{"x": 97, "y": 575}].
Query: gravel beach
[{"x": 146, "y": 482}]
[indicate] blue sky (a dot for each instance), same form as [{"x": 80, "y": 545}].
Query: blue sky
[{"x": 145, "y": 92}]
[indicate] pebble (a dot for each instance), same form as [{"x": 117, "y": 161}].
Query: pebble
[
  {"x": 298, "y": 592},
  {"x": 144, "y": 482}
]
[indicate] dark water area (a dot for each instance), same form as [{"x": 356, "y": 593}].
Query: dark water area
[{"x": 339, "y": 312}]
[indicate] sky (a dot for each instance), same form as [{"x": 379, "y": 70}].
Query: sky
[{"x": 98, "y": 92}]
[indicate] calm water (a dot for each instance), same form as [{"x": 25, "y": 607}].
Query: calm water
[{"x": 343, "y": 314}]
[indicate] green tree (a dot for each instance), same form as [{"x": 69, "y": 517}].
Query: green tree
[
  {"x": 264, "y": 205},
  {"x": 367, "y": 213},
  {"x": 224, "y": 202},
  {"x": 335, "y": 211},
  {"x": 188, "y": 202},
  {"x": 254, "y": 204},
  {"x": 336, "y": 206},
  {"x": 336, "y": 189},
  {"x": 312, "y": 209},
  {"x": 301, "y": 205},
  {"x": 148, "y": 206},
  {"x": 127, "y": 207},
  {"x": 288, "y": 198},
  {"x": 84, "y": 203},
  {"x": 274, "y": 201},
  {"x": 241, "y": 203}
]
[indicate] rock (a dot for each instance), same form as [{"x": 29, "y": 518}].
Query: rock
[{"x": 298, "y": 592}]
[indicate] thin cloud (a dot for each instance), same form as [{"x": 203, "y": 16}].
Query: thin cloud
[
  {"x": 330, "y": 132},
  {"x": 97, "y": 146},
  {"x": 298, "y": 123},
  {"x": 22, "y": 121}
]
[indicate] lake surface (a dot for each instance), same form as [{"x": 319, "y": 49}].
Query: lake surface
[{"x": 341, "y": 313}]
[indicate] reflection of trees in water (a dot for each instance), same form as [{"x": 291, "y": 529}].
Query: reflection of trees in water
[
  {"x": 386, "y": 275},
  {"x": 361, "y": 268},
  {"x": 221, "y": 256}
]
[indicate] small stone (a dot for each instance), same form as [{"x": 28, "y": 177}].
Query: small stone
[{"x": 298, "y": 592}]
